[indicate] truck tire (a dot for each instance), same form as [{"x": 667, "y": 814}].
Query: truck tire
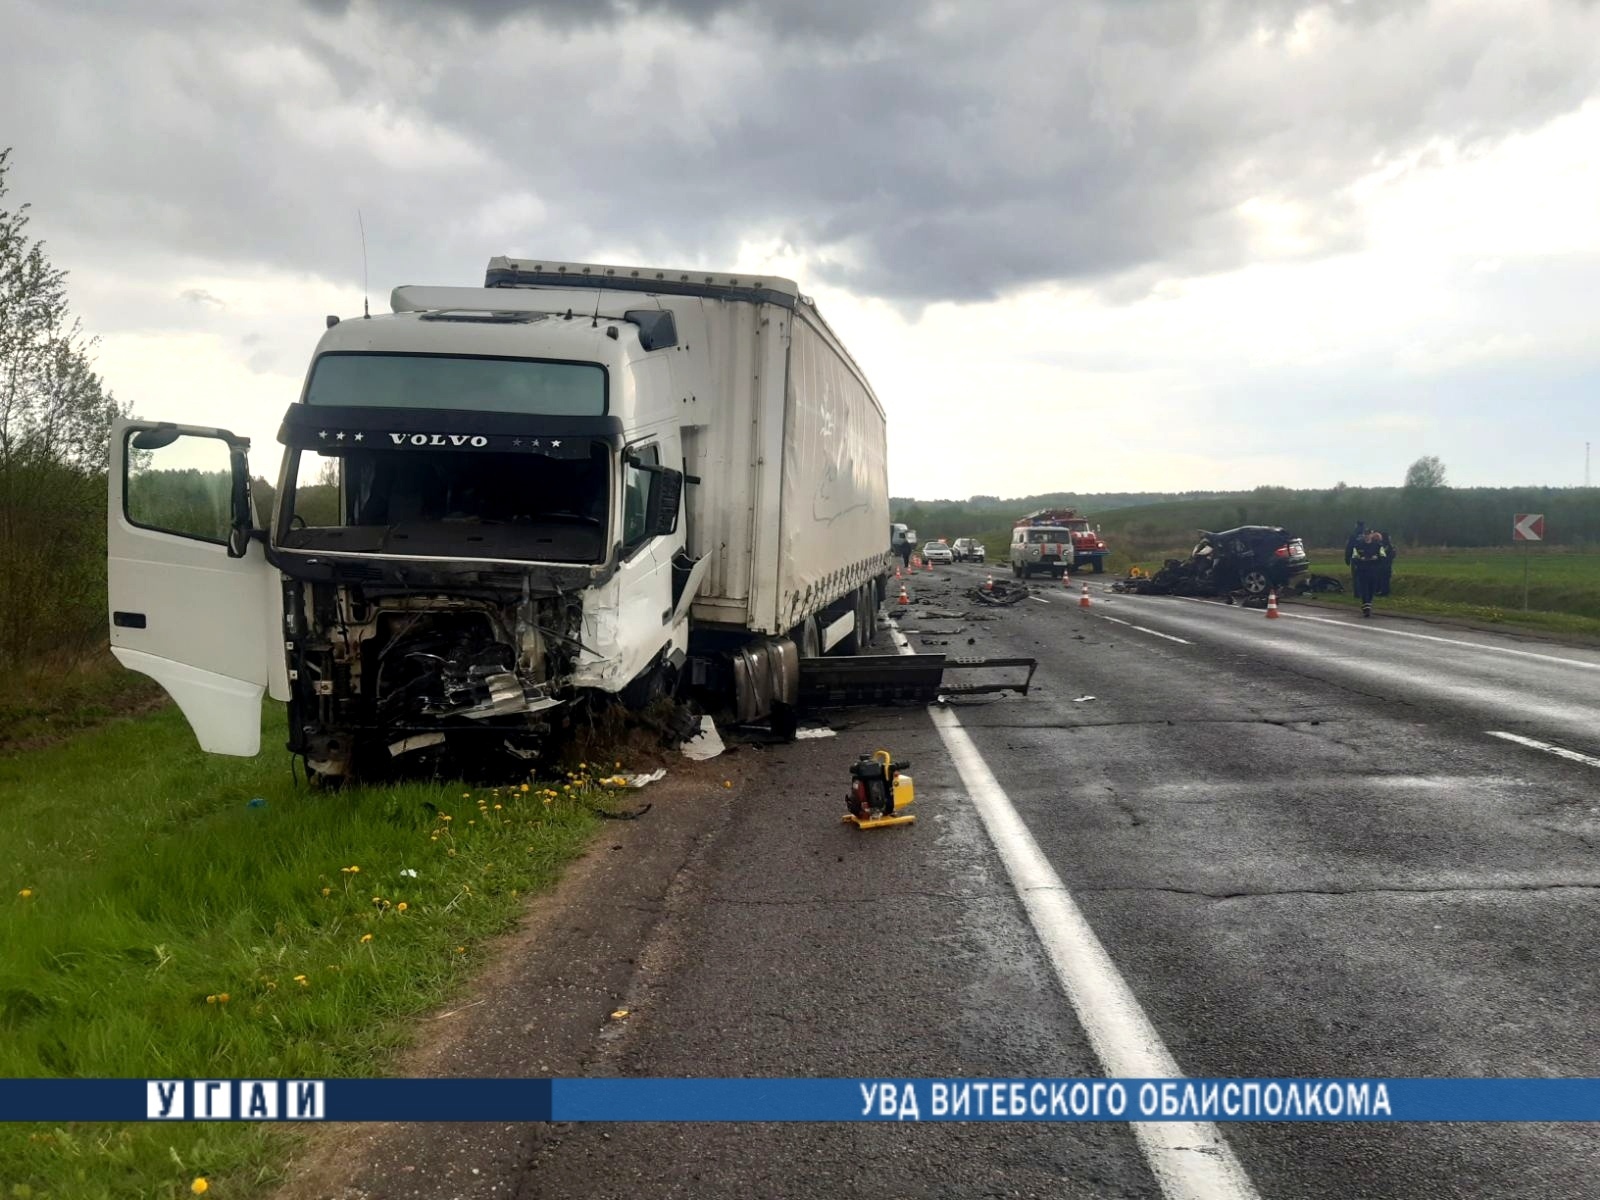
[
  {"x": 808, "y": 638},
  {"x": 860, "y": 638}
]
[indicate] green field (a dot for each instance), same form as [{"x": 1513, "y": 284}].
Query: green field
[
  {"x": 1486, "y": 586},
  {"x": 167, "y": 913}
]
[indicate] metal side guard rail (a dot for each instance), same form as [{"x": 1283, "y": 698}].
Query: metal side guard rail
[{"x": 904, "y": 679}]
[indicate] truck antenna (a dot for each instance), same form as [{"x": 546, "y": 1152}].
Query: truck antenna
[
  {"x": 594, "y": 324},
  {"x": 366, "y": 312}
]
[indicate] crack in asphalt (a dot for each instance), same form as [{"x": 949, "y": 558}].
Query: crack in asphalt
[
  {"x": 1359, "y": 891},
  {"x": 859, "y": 898}
]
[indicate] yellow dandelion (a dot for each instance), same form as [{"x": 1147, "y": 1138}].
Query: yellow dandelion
[
  {"x": 450, "y": 853},
  {"x": 302, "y": 981},
  {"x": 271, "y": 984},
  {"x": 466, "y": 795},
  {"x": 524, "y": 787},
  {"x": 378, "y": 900},
  {"x": 471, "y": 822},
  {"x": 401, "y": 907},
  {"x": 434, "y": 838},
  {"x": 223, "y": 997},
  {"x": 461, "y": 949},
  {"x": 349, "y": 870},
  {"x": 446, "y": 817},
  {"x": 26, "y": 893},
  {"x": 366, "y": 937},
  {"x": 211, "y": 999},
  {"x": 498, "y": 807},
  {"x": 547, "y": 799},
  {"x": 199, "y": 1187},
  {"x": 617, "y": 765},
  {"x": 327, "y": 891}
]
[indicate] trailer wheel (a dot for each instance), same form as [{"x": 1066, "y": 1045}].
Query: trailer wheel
[
  {"x": 809, "y": 639},
  {"x": 866, "y": 621}
]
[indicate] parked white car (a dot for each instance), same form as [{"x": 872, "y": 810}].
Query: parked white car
[
  {"x": 937, "y": 552},
  {"x": 968, "y": 550}
]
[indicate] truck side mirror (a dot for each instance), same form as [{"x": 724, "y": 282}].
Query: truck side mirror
[
  {"x": 243, "y": 519},
  {"x": 666, "y": 496}
]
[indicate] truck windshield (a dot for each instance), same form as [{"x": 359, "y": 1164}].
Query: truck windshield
[
  {"x": 450, "y": 503},
  {"x": 518, "y": 385}
]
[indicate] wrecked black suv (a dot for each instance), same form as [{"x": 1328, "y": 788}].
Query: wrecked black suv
[{"x": 1253, "y": 559}]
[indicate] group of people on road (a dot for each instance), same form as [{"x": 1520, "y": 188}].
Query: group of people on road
[{"x": 1370, "y": 556}]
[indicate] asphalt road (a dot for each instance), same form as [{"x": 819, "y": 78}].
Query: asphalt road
[{"x": 1295, "y": 846}]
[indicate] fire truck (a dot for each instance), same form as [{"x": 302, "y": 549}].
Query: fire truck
[{"x": 1054, "y": 540}]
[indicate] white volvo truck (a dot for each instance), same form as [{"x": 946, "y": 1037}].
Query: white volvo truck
[{"x": 576, "y": 478}]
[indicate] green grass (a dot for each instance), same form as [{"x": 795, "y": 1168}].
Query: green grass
[
  {"x": 157, "y": 887},
  {"x": 49, "y": 701},
  {"x": 1485, "y": 586}
]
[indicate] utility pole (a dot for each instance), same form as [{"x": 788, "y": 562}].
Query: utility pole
[{"x": 1586, "y": 464}]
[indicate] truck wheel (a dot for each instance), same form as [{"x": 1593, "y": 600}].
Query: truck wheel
[
  {"x": 809, "y": 638},
  {"x": 866, "y": 623}
]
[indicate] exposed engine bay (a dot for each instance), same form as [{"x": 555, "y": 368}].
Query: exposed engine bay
[{"x": 388, "y": 680}]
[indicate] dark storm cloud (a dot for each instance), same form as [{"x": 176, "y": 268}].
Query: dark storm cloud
[{"x": 920, "y": 152}]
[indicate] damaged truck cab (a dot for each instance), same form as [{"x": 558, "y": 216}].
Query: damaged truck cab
[{"x": 495, "y": 500}]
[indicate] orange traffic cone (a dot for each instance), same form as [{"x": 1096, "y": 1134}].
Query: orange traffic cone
[
  {"x": 929, "y": 563},
  {"x": 1066, "y": 581},
  {"x": 1083, "y": 600},
  {"x": 904, "y": 599},
  {"x": 988, "y": 584},
  {"x": 1272, "y": 604},
  {"x": 897, "y": 572}
]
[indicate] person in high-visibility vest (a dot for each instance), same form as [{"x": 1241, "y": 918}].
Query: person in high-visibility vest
[
  {"x": 1367, "y": 557},
  {"x": 1386, "y": 572},
  {"x": 1357, "y": 536}
]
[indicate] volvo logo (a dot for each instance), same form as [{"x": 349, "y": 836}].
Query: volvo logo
[{"x": 438, "y": 439}]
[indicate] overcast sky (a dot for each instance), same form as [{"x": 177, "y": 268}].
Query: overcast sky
[{"x": 1125, "y": 245}]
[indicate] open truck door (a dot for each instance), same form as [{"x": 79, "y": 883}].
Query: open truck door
[{"x": 194, "y": 602}]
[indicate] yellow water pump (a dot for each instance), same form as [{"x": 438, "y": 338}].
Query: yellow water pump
[{"x": 879, "y": 789}]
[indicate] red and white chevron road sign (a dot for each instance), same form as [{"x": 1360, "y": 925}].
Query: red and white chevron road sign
[{"x": 1528, "y": 527}]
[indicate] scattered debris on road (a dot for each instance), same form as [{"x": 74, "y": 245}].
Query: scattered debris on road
[
  {"x": 1004, "y": 592},
  {"x": 705, "y": 744}
]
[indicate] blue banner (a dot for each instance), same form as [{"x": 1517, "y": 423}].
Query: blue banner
[{"x": 954, "y": 1099}]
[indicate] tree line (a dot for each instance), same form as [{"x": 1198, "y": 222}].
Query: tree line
[
  {"x": 1418, "y": 515},
  {"x": 55, "y": 424}
]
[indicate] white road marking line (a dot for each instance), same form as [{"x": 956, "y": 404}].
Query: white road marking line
[
  {"x": 1189, "y": 1159},
  {"x": 1159, "y": 634},
  {"x": 1425, "y": 637},
  {"x": 1558, "y": 751},
  {"x": 1040, "y": 599},
  {"x": 1151, "y": 632}
]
